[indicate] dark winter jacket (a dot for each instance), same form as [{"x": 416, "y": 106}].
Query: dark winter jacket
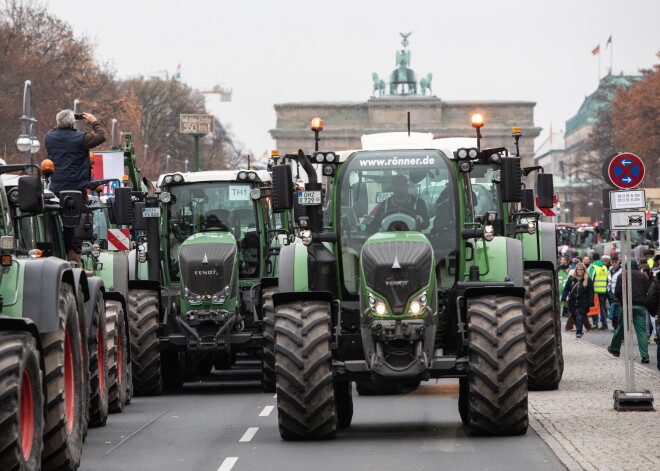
[
  {"x": 580, "y": 298},
  {"x": 640, "y": 287},
  {"x": 653, "y": 295},
  {"x": 69, "y": 151}
]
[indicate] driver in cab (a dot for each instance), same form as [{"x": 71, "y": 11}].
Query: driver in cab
[{"x": 403, "y": 202}]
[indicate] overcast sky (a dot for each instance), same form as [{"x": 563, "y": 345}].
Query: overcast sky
[{"x": 289, "y": 51}]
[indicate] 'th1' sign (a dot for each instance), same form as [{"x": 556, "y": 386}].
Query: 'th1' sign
[{"x": 625, "y": 171}]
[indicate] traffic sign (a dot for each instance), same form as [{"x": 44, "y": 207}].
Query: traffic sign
[
  {"x": 626, "y": 171},
  {"x": 196, "y": 123},
  {"x": 627, "y": 220},
  {"x": 630, "y": 199}
]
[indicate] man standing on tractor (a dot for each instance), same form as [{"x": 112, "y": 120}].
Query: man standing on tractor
[
  {"x": 69, "y": 151},
  {"x": 401, "y": 201}
]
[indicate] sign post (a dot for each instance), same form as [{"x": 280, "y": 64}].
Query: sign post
[
  {"x": 198, "y": 125},
  {"x": 627, "y": 213}
]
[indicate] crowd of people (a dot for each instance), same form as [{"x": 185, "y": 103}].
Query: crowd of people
[{"x": 592, "y": 292}]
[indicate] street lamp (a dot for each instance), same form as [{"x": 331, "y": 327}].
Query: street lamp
[
  {"x": 185, "y": 165},
  {"x": 27, "y": 141},
  {"x": 146, "y": 146},
  {"x": 167, "y": 163}
]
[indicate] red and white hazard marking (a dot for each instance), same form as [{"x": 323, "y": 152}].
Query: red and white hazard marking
[{"x": 119, "y": 239}]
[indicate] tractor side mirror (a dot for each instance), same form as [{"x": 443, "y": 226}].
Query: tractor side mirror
[
  {"x": 511, "y": 179},
  {"x": 282, "y": 188},
  {"x": 71, "y": 204},
  {"x": 545, "y": 189},
  {"x": 30, "y": 194},
  {"x": 121, "y": 208},
  {"x": 85, "y": 228},
  {"x": 527, "y": 203}
]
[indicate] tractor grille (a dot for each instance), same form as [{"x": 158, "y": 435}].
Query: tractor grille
[
  {"x": 397, "y": 284},
  {"x": 206, "y": 278}
]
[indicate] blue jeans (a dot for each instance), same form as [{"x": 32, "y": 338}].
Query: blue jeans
[
  {"x": 602, "y": 299},
  {"x": 579, "y": 324}
]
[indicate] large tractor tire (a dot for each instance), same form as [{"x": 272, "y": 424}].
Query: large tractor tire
[
  {"x": 97, "y": 343},
  {"x": 306, "y": 403},
  {"x": 344, "y": 401},
  {"x": 117, "y": 341},
  {"x": 543, "y": 331},
  {"x": 497, "y": 400},
  {"x": 22, "y": 399},
  {"x": 66, "y": 389},
  {"x": 173, "y": 370},
  {"x": 145, "y": 357},
  {"x": 268, "y": 357}
]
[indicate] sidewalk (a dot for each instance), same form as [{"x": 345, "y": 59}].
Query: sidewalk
[{"x": 578, "y": 420}]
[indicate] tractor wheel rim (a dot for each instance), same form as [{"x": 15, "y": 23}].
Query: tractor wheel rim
[
  {"x": 69, "y": 386},
  {"x": 27, "y": 415},
  {"x": 101, "y": 358},
  {"x": 120, "y": 358}
]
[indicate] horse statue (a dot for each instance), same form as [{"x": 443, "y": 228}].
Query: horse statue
[
  {"x": 425, "y": 83},
  {"x": 379, "y": 85}
]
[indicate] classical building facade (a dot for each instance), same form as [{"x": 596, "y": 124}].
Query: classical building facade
[{"x": 345, "y": 122}]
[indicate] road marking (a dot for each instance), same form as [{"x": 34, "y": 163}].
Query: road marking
[
  {"x": 247, "y": 436},
  {"x": 228, "y": 463},
  {"x": 266, "y": 412}
]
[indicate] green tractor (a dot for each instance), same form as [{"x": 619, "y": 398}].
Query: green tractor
[
  {"x": 43, "y": 333},
  {"x": 202, "y": 307},
  {"x": 395, "y": 278}
]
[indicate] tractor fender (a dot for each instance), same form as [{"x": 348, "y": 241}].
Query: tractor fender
[
  {"x": 80, "y": 281},
  {"x": 120, "y": 273},
  {"x": 282, "y": 298},
  {"x": 548, "y": 242},
  {"x": 42, "y": 280},
  {"x": 514, "y": 258},
  {"x": 542, "y": 264},
  {"x": 95, "y": 288},
  {"x": 293, "y": 268}
]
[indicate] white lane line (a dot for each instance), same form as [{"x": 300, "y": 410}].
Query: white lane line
[
  {"x": 228, "y": 463},
  {"x": 266, "y": 412},
  {"x": 249, "y": 434}
]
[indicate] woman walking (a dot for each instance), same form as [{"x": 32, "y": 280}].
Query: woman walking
[{"x": 579, "y": 292}]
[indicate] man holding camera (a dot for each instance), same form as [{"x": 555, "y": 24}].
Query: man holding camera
[{"x": 69, "y": 151}]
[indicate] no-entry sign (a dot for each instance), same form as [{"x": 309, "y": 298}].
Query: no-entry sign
[{"x": 625, "y": 171}]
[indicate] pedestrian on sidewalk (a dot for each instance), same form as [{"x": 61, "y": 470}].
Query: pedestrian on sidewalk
[
  {"x": 579, "y": 293},
  {"x": 652, "y": 305},
  {"x": 613, "y": 275},
  {"x": 598, "y": 273},
  {"x": 639, "y": 289},
  {"x": 562, "y": 275}
]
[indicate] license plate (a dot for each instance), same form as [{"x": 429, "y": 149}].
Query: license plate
[
  {"x": 150, "y": 212},
  {"x": 309, "y": 197}
]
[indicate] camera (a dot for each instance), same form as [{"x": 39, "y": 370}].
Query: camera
[{"x": 78, "y": 116}]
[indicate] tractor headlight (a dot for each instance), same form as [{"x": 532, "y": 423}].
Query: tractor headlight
[
  {"x": 531, "y": 227},
  {"x": 96, "y": 251},
  {"x": 473, "y": 153},
  {"x": 319, "y": 158},
  {"x": 167, "y": 180},
  {"x": 330, "y": 157},
  {"x": 242, "y": 175},
  {"x": 252, "y": 176},
  {"x": 465, "y": 166},
  {"x": 380, "y": 309},
  {"x": 142, "y": 256},
  {"x": 377, "y": 305},
  {"x": 177, "y": 178},
  {"x": 192, "y": 297},
  {"x": 462, "y": 153},
  {"x": 418, "y": 303},
  {"x": 165, "y": 197},
  {"x": 489, "y": 232},
  {"x": 221, "y": 296}
]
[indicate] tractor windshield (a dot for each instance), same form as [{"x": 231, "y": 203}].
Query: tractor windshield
[
  {"x": 486, "y": 191},
  {"x": 397, "y": 190},
  {"x": 214, "y": 206}
]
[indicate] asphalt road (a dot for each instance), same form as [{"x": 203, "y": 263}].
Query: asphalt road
[{"x": 226, "y": 423}]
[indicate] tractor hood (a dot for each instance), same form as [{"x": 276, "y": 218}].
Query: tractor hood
[
  {"x": 207, "y": 263},
  {"x": 396, "y": 265}
]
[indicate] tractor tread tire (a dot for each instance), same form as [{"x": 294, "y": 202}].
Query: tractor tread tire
[
  {"x": 62, "y": 448},
  {"x": 268, "y": 363},
  {"x": 116, "y": 330},
  {"x": 303, "y": 365},
  {"x": 98, "y": 380},
  {"x": 145, "y": 357},
  {"x": 497, "y": 366},
  {"x": 19, "y": 356},
  {"x": 543, "y": 332}
]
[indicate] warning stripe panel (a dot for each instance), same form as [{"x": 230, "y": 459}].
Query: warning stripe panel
[{"x": 118, "y": 239}]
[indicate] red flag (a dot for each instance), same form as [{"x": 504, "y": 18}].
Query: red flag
[{"x": 596, "y": 51}]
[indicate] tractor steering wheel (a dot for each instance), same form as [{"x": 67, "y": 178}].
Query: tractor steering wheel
[{"x": 402, "y": 220}]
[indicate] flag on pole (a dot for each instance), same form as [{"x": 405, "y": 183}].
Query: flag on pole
[
  {"x": 609, "y": 41},
  {"x": 596, "y": 51},
  {"x": 177, "y": 73}
]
